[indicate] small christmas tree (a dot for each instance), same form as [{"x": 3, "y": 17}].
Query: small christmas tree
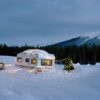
[{"x": 68, "y": 65}]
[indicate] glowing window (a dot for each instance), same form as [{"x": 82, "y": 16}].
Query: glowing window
[
  {"x": 33, "y": 61},
  {"x": 19, "y": 59},
  {"x": 46, "y": 62}
]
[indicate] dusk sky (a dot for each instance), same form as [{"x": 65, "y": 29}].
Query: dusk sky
[{"x": 47, "y": 21}]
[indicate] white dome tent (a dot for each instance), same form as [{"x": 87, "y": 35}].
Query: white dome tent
[{"x": 35, "y": 58}]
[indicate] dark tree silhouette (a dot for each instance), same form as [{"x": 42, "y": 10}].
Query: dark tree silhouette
[{"x": 79, "y": 54}]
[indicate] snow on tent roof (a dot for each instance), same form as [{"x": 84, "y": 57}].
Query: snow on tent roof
[{"x": 40, "y": 53}]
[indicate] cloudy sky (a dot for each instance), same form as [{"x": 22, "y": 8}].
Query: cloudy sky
[{"x": 47, "y": 21}]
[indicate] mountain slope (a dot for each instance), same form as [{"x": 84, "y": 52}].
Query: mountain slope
[
  {"x": 93, "y": 41},
  {"x": 80, "y": 41}
]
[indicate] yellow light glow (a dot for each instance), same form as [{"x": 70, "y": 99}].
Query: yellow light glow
[
  {"x": 33, "y": 61},
  {"x": 46, "y": 62}
]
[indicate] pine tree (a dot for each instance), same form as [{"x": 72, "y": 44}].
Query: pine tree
[{"x": 68, "y": 65}]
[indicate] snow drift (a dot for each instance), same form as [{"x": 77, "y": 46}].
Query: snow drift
[{"x": 56, "y": 84}]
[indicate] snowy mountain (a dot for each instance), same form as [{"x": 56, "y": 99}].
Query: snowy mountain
[
  {"x": 81, "y": 40},
  {"x": 93, "y": 41},
  {"x": 17, "y": 83}
]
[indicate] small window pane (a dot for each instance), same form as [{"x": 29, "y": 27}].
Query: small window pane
[
  {"x": 33, "y": 61},
  {"x": 19, "y": 59},
  {"x": 27, "y": 60},
  {"x": 46, "y": 62}
]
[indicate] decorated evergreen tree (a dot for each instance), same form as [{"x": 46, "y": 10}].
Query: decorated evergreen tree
[{"x": 68, "y": 65}]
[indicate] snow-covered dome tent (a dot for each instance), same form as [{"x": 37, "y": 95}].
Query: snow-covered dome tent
[{"x": 35, "y": 58}]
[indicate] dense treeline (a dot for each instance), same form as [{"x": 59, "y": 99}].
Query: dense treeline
[
  {"x": 13, "y": 50},
  {"x": 82, "y": 55}
]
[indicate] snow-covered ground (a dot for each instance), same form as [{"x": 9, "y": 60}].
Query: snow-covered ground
[{"x": 56, "y": 84}]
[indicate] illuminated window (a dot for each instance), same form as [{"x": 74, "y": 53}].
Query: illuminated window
[
  {"x": 33, "y": 61},
  {"x": 46, "y": 62},
  {"x": 27, "y": 60},
  {"x": 19, "y": 59}
]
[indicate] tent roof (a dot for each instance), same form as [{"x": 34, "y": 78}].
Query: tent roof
[{"x": 40, "y": 53}]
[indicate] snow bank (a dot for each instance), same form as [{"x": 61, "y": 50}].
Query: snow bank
[
  {"x": 7, "y": 59},
  {"x": 56, "y": 84}
]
